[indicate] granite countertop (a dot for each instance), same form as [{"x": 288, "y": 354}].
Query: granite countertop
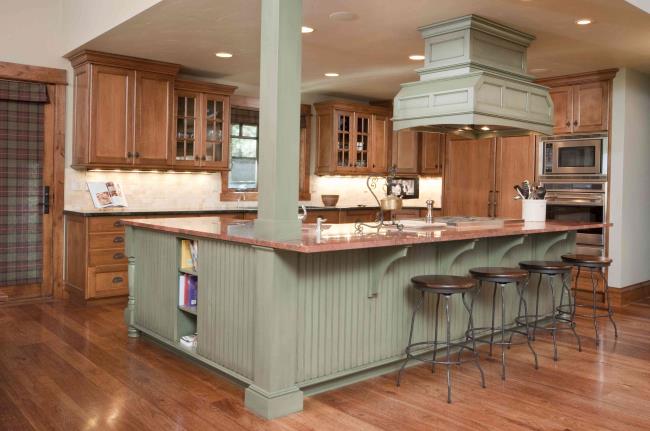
[
  {"x": 94, "y": 212},
  {"x": 343, "y": 236}
]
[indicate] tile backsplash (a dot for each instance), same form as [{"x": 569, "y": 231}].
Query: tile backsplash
[{"x": 200, "y": 191}]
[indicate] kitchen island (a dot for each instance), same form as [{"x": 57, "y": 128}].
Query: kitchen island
[{"x": 294, "y": 318}]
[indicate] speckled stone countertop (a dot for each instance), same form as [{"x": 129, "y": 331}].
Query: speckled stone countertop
[{"x": 342, "y": 236}]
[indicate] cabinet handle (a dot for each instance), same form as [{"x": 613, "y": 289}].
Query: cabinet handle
[
  {"x": 575, "y": 123},
  {"x": 118, "y": 256},
  {"x": 118, "y": 223},
  {"x": 495, "y": 202},
  {"x": 197, "y": 158},
  {"x": 118, "y": 239},
  {"x": 117, "y": 280},
  {"x": 137, "y": 154},
  {"x": 203, "y": 158},
  {"x": 568, "y": 123},
  {"x": 129, "y": 154},
  {"x": 489, "y": 214}
]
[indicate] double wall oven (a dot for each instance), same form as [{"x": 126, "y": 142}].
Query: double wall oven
[{"x": 574, "y": 171}]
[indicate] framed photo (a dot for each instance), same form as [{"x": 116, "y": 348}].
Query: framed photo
[{"x": 405, "y": 187}]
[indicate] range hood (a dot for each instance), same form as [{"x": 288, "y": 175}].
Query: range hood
[{"x": 474, "y": 83}]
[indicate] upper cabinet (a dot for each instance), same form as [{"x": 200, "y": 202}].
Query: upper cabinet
[
  {"x": 351, "y": 139},
  {"x": 432, "y": 153},
  {"x": 202, "y": 125},
  {"x": 581, "y": 102},
  {"x": 132, "y": 113},
  {"x": 418, "y": 153}
]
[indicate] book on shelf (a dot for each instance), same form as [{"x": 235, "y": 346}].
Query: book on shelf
[
  {"x": 189, "y": 254},
  {"x": 188, "y": 290}
]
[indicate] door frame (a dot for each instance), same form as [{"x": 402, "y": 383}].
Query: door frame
[{"x": 54, "y": 147}]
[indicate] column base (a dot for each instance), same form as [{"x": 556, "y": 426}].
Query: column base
[{"x": 273, "y": 405}]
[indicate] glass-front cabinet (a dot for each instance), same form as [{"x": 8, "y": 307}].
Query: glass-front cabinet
[
  {"x": 351, "y": 138},
  {"x": 202, "y": 124}
]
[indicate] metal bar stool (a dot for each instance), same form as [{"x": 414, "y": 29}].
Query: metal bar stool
[
  {"x": 549, "y": 270},
  {"x": 595, "y": 264},
  {"x": 445, "y": 286},
  {"x": 502, "y": 277}
]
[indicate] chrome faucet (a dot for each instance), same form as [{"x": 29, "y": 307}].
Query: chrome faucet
[
  {"x": 319, "y": 227},
  {"x": 302, "y": 216},
  {"x": 429, "y": 216}
]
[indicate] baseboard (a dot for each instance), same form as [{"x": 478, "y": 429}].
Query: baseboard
[{"x": 623, "y": 296}]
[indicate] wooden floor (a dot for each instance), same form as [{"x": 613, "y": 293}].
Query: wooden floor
[{"x": 64, "y": 367}]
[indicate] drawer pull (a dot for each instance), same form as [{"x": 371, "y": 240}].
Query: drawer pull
[
  {"x": 118, "y": 239},
  {"x": 117, "y": 279},
  {"x": 118, "y": 223},
  {"x": 118, "y": 256}
]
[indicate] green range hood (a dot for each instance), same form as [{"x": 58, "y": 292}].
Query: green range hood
[{"x": 474, "y": 83}]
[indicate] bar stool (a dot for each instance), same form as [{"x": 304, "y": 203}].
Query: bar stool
[
  {"x": 550, "y": 270},
  {"x": 502, "y": 277},
  {"x": 595, "y": 264},
  {"x": 445, "y": 286}
]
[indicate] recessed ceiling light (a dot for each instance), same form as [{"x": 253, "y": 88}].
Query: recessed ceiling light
[
  {"x": 306, "y": 29},
  {"x": 416, "y": 57},
  {"x": 223, "y": 54},
  {"x": 343, "y": 16},
  {"x": 583, "y": 21},
  {"x": 538, "y": 70},
  {"x": 485, "y": 128},
  {"x": 331, "y": 74}
]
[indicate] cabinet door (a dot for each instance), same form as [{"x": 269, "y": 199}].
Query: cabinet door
[
  {"x": 379, "y": 147},
  {"x": 563, "y": 109},
  {"x": 111, "y": 135},
  {"x": 343, "y": 136},
  {"x": 591, "y": 107},
  {"x": 153, "y": 111},
  {"x": 469, "y": 177},
  {"x": 405, "y": 151},
  {"x": 432, "y": 149},
  {"x": 215, "y": 133},
  {"x": 303, "y": 166},
  {"x": 515, "y": 162},
  {"x": 187, "y": 129}
]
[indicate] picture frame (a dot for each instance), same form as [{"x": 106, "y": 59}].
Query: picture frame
[{"x": 404, "y": 187}]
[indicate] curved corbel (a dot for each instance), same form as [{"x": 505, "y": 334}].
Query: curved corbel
[
  {"x": 544, "y": 243},
  {"x": 500, "y": 247},
  {"x": 380, "y": 260},
  {"x": 449, "y": 252}
]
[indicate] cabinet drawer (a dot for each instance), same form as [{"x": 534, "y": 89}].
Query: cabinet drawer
[
  {"x": 111, "y": 256},
  {"x": 107, "y": 283},
  {"x": 407, "y": 214},
  {"x": 352, "y": 216},
  {"x": 105, "y": 224},
  {"x": 106, "y": 240}
]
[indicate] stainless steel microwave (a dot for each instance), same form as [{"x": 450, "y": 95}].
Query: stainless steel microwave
[{"x": 574, "y": 155}]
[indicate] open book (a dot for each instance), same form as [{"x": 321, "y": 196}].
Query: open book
[{"x": 106, "y": 194}]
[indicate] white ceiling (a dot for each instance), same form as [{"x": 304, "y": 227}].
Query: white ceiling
[{"x": 371, "y": 53}]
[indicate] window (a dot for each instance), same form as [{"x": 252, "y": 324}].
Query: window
[{"x": 243, "y": 156}]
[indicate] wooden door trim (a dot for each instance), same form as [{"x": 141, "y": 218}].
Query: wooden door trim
[{"x": 55, "y": 138}]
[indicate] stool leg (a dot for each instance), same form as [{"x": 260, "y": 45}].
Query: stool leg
[
  {"x": 470, "y": 310},
  {"x": 610, "y": 313},
  {"x": 554, "y": 321},
  {"x": 503, "y": 335},
  {"x": 448, "y": 340},
  {"x": 417, "y": 307},
  {"x": 565, "y": 286},
  {"x": 539, "y": 283},
  {"x": 494, "y": 296},
  {"x": 518, "y": 315},
  {"x": 520, "y": 289},
  {"x": 575, "y": 296},
  {"x": 594, "y": 286},
  {"x": 435, "y": 336}
]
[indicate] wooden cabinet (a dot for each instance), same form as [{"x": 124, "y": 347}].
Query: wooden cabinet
[
  {"x": 122, "y": 111},
  {"x": 202, "y": 126},
  {"x": 432, "y": 153},
  {"x": 581, "y": 102},
  {"x": 405, "y": 151},
  {"x": 351, "y": 139},
  {"x": 480, "y": 174}
]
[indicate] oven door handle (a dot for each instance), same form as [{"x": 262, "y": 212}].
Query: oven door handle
[{"x": 575, "y": 201}]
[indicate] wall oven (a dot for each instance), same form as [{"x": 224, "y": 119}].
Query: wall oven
[
  {"x": 580, "y": 201},
  {"x": 573, "y": 155}
]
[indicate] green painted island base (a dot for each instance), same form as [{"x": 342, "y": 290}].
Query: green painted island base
[{"x": 286, "y": 323}]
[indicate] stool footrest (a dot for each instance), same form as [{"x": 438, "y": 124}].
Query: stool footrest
[
  {"x": 416, "y": 355},
  {"x": 567, "y": 323},
  {"x": 494, "y": 334}
]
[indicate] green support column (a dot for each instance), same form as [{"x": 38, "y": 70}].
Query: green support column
[
  {"x": 274, "y": 391},
  {"x": 280, "y": 64}
]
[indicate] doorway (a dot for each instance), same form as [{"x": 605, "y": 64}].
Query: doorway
[{"x": 31, "y": 186}]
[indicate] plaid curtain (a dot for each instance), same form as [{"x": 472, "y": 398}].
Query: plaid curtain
[{"x": 21, "y": 182}]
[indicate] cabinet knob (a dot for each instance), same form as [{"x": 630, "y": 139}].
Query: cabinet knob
[
  {"x": 575, "y": 123},
  {"x": 137, "y": 154},
  {"x": 197, "y": 158},
  {"x": 118, "y": 256},
  {"x": 568, "y": 123},
  {"x": 118, "y": 223},
  {"x": 118, "y": 239},
  {"x": 129, "y": 154},
  {"x": 203, "y": 158},
  {"x": 117, "y": 280}
]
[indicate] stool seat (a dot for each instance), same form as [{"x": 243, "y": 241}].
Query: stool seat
[
  {"x": 587, "y": 260},
  {"x": 499, "y": 274},
  {"x": 443, "y": 284},
  {"x": 546, "y": 266}
]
